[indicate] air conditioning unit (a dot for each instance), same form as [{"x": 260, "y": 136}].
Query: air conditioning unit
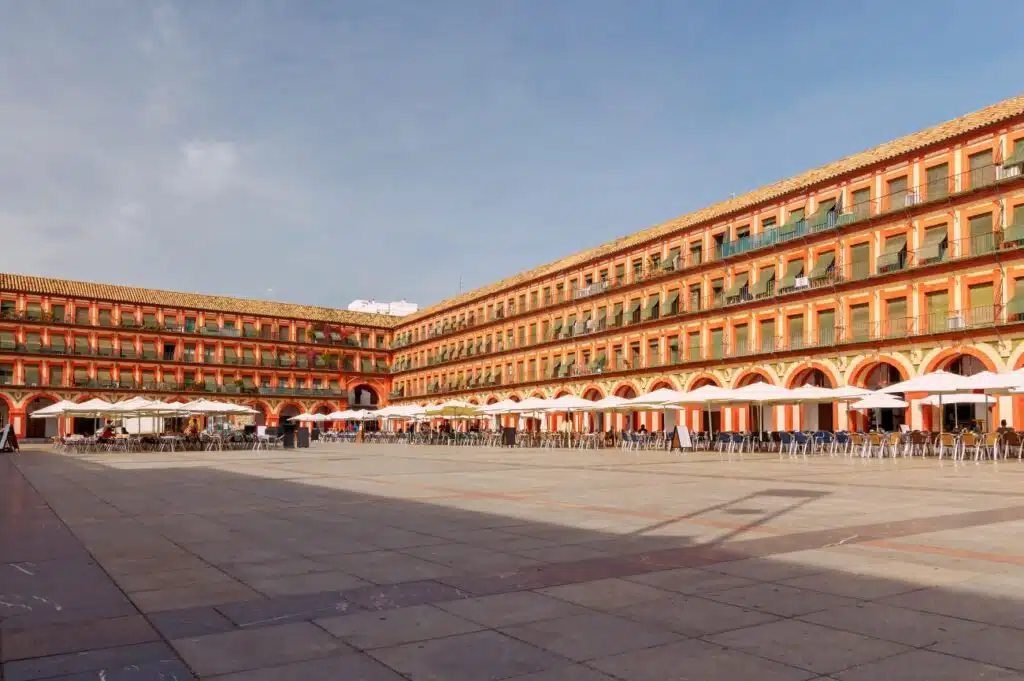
[
  {"x": 955, "y": 322},
  {"x": 911, "y": 199}
]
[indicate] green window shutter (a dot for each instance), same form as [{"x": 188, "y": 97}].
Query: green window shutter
[
  {"x": 896, "y": 316},
  {"x": 892, "y": 257},
  {"x": 822, "y": 264},
  {"x": 897, "y": 192},
  {"x": 982, "y": 169},
  {"x": 860, "y": 265},
  {"x": 1017, "y": 157},
  {"x": 717, "y": 344},
  {"x": 860, "y": 321},
  {"x": 366, "y": 365},
  {"x": 933, "y": 246},
  {"x": 794, "y": 269},
  {"x": 738, "y": 282},
  {"x": 693, "y": 342},
  {"x": 742, "y": 339},
  {"x": 650, "y": 311},
  {"x": 826, "y": 327},
  {"x": 982, "y": 238},
  {"x": 1014, "y": 232},
  {"x": 937, "y": 305},
  {"x": 7, "y": 340},
  {"x": 938, "y": 181},
  {"x": 981, "y": 296},
  {"x": 634, "y": 308},
  {"x": 672, "y": 302},
  {"x": 820, "y": 220},
  {"x": 764, "y": 281},
  {"x": 795, "y": 331}
]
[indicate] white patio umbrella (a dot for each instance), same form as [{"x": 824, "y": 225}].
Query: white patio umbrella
[
  {"x": 94, "y": 407},
  {"x": 610, "y": 403},
  {"x": 453, "y": 408},
  {"x": 531, "y": 404},
  {"x": 934, "y": 383},
  {"x": 303, "y": 418},
  {"x": 813, "y": 394},
  {"x": 997, "y": 384},
  {"x": 502, "y": 407},
  {"x": 958, "y": 398},
  {"x": 52, "y": 411},
  {"x": 658, "y": 399},
  {"x": 879, "y": 401},
  {"x": 567, "y": 403},
  {"x": 761, "y": 394},
  {"x": 707, "y": 395}
]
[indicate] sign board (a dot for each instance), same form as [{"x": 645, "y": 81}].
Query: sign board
[{"x": 8, "y": 440}]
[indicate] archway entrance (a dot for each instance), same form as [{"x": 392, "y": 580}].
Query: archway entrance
[
  {"x": 954, "y": 415},
  {"x": 287, "y": 412},
  {"x": 260, "y": 417},
  {"x": 875, "y": 377},
  {"x": 40, "y": 428},
  {"x": 631, "y": 420},
  {"x": 363, "y": 397},
  {"x": 701, "y": 422},
  {"x": 815, "y": 416},
  {"x": 756, "y": 411},
  {"x": 595, "y": 418}
]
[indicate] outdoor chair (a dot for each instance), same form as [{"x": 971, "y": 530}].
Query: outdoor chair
[
  {"x": 840, "y": 443},
  {"x": 969, "y": 442},
  {"x": 1012, "y": 441},
  {"x": 946, "y": 442}
]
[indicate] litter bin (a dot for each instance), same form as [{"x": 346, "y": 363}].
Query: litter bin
[
  {"x": 508, "y": 437},
  {"x": 288, "y": 435},
  {"x": 303, "y": 439}
]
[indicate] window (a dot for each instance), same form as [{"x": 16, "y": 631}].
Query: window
[
  {"x": 766, "y": 329},
  {"x": 717, "y": 343},
  {"x": 82, "y": 316},
  {"x": 31, "y": 374},
  {"x": 693, "y": 345},
  {"x": 795, "y": 331},
  {"x": 897, "y": 192},
  {"x": 638, "y": 269},
  {"x": 895, "y": 322},
  {"x": 938, "y": 181},
  {"x": 284, "y": 332},
  {"x": 694, "y": 297},
  {"x": 982, "y": 170},
  {"x": 34, "y": 311},
  {"x": 982, "y": 237},
  {"x": 767, "y": 224},
  {"x": 860, "y": 264},
  {"x": 533, "y": 300},
  {"x": 827, "y": 327},
  {"x": 380, "y": 342},
  {"x": 57, "y": 312},
  {"x": 742, "y": 340},
  {"x": 653, "y": 353},
  {"x": 149, "y": 319},
  {"x": 862, "y": 203},
  {"x": 105, "y": 318},
  {"x": 56, "y": 375},
  {"x": 620, "y": 272},
  {"x": 979, "y": 304},
  {"x": 860, "y": 321},
  {"x": 937, "y": 306},
  {"x": 673, "y": 350}
]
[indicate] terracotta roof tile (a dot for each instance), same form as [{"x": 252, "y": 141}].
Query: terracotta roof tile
[
  {"x": 190, "y": 301},
  {"x": 890, "y": 150}
]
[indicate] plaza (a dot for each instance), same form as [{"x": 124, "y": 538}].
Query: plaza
[{"x": 383, "y": 562}]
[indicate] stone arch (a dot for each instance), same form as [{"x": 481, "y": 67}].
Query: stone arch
[
  {"x": 492, "y": 400},
  {"x": 514, "y": 397},
  {"x": 39, "y": 428},
  {"x": 363, "y": 395},
  {"x": 811, "y": 373},
  {"x": 539, "y": 394},
  {"x": 702, "y": 379},
  {"x": 322, "y": 408},
  {"x": 858, "y": 373},
  {"x": 473, "y": 401},
  {"x": 662, "y": 382},
  {"x": 750, "y": 376},
  {"x": 562, "y": 392},
  {"x": 592, "y": 393},
  {"x": 626, "y": 389},
  {"x": 944, "y": 358},
  {"x": 287, "y": 410},
  {"x": 6, "y": 407},
  {"x": 262, "y": 410}
]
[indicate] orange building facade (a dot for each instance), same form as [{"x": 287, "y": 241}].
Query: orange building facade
[
  {"x": 74, "y": 341},
  {"x": 886, "y": 264}
]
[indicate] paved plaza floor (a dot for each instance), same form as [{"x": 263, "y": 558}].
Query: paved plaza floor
[{"x": 388, "y": 562}]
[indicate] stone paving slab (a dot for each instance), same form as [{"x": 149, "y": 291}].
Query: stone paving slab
[{"x": 382, "y": 563}]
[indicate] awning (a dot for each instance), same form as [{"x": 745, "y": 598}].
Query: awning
[
  {"x": 634, "y": 308},
  {"x": 894, "y": 247},
  {"x": 1015, "y": 308},
  {"x": 444, "y": 354},
  {"x": 672, "y": 299},
  {"x": 738, "y": 282},
  {"x": 1016, "y": 158},
  {"x": 570, "y": 361},
  {"x": 336, "y": 337},
  {"x": 760, "y": 287},
  {"x": 556, "y": 327},
  {"x": 319, "y": 335},
  {"x": 652, "y": 303},
  {"x": 820, "y": 218},
  {"x": 822, "y": 265},
  {"x": 931, "y": 249},
  {"x": 487, "y": 376},
  {"x": 600, "y": 361},
  {"x": 602, "y": 314},
  {"x": 563, "y": 369},
  {"x": 789, "y": 229},
  {"x": 794, "y": 269}
]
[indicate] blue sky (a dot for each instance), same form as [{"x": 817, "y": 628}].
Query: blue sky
[{"x": 323, "y": 151}]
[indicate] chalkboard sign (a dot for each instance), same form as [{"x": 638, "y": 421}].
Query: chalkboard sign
[{"x": 8, "y": 440}]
